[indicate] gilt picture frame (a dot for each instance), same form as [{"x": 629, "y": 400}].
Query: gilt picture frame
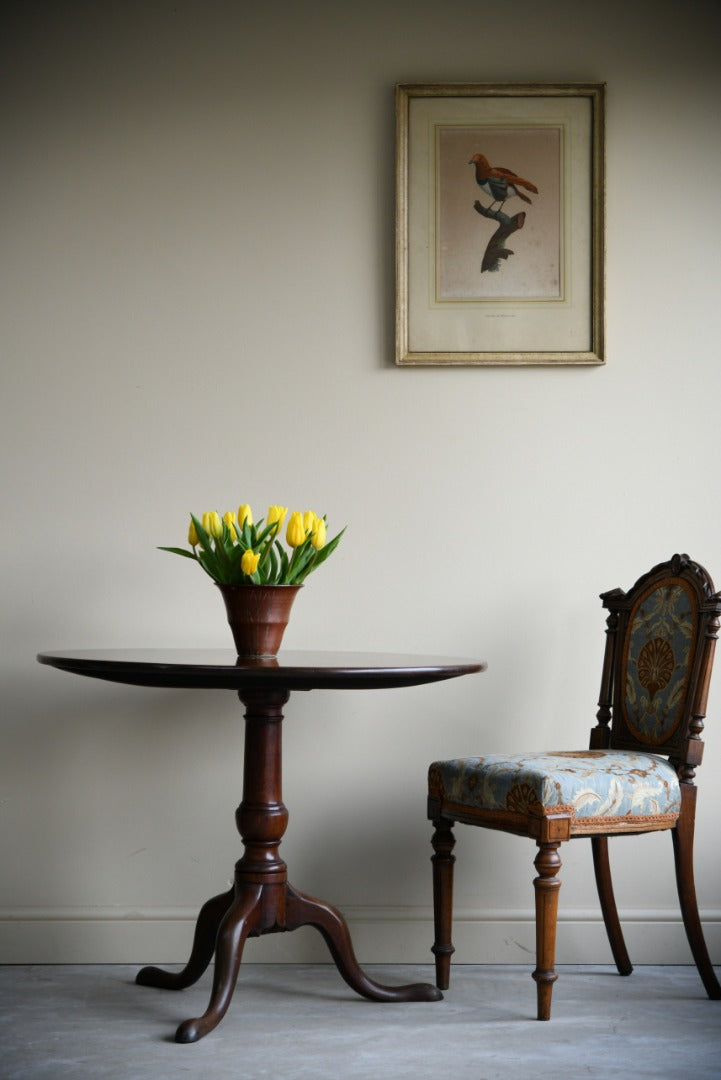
[{"x": 500, "y": 193}]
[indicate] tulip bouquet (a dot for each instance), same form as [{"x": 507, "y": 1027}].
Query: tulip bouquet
[{"x": 234, "y": 550}]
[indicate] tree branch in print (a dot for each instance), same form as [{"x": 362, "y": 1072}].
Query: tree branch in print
[
  {"x": 500, "y": 184},
  {"x": 496, "y": 249}
]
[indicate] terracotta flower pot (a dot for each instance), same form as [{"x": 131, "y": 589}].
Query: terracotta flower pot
[{"x": 258, "y": 616}]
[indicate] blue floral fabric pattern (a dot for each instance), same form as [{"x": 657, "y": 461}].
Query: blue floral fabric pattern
[
  {"x": 588, "y": 783},
  {"x": 657, "y": 662}
]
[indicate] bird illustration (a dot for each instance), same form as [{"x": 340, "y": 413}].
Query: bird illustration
[{"x": 499, "y": 183}]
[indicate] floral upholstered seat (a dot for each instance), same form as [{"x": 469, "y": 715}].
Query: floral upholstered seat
[
  {"x": 594, "y": 787},
  {"x": 637, "y": 776}
]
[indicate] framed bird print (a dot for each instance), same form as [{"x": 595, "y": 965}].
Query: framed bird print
[{"x": 499, "y": 224}]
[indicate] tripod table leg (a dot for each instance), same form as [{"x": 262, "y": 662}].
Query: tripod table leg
[
  {"x": 302, "y": 910},
  {"x": 206, "y": 929},
  {"x": 233, "y": 931}
]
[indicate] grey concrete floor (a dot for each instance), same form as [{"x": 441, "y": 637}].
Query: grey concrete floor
[{"x": 301, "y": 1021}]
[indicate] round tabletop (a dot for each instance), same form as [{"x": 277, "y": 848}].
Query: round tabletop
[{"x": 221, "y": 669}]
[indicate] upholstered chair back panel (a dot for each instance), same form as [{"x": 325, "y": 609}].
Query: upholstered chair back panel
[
  {"x": 660, "y": 644},
  {"x": 657, "y": 661}
]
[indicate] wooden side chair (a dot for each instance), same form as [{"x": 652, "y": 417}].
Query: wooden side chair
[{"x": 637, "y": 776}]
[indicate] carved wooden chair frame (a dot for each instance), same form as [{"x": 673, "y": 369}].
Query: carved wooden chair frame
[{"x": 549, "y": 827}]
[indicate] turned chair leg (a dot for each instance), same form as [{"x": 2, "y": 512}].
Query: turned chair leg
[
  {"x": 443, "y": 843},
  {"x": 682, "y": 836},
  {"x": 546, "y": 885},
  {"x": 602, "y": 870}
]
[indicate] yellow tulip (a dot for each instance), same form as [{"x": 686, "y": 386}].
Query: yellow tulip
[
  {"x": 249, "y": 562},
  {"x": 295, "y": 533},
  {"x": 245, "y": 515},
  {"x": 212, "y": 524},
  {"x": 309, "y": 520},
  {"x": 192, "y": 534},
  {"x": 229, "y": 519},
  {"x": 276, "y": 516},
  {"x": 318, "y": 535}
]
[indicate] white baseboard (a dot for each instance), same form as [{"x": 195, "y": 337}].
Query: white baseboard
[{"x": 380, "y": 935}]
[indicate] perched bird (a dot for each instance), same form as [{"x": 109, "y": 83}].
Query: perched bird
[{"x": 499, "y": 183}]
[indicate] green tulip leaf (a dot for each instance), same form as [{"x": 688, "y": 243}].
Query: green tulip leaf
[
  {"x": 210, "y": 566},
  {"x": 262, "y": 536},
  {"x": 272, "y": 559},
  {"x": 284, "y": 563},
  {"x": 180, "y": 551},
  {"x": 206, "y": 541}
]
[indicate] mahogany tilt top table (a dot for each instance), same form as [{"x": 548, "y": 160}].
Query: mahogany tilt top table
[{"x": 262, "y": 900}]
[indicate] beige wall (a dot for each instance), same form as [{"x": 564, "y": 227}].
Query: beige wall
[{"x": 197, "y": 310}]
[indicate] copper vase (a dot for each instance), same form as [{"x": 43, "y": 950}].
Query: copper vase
[{"x": 258, "y": 616}]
